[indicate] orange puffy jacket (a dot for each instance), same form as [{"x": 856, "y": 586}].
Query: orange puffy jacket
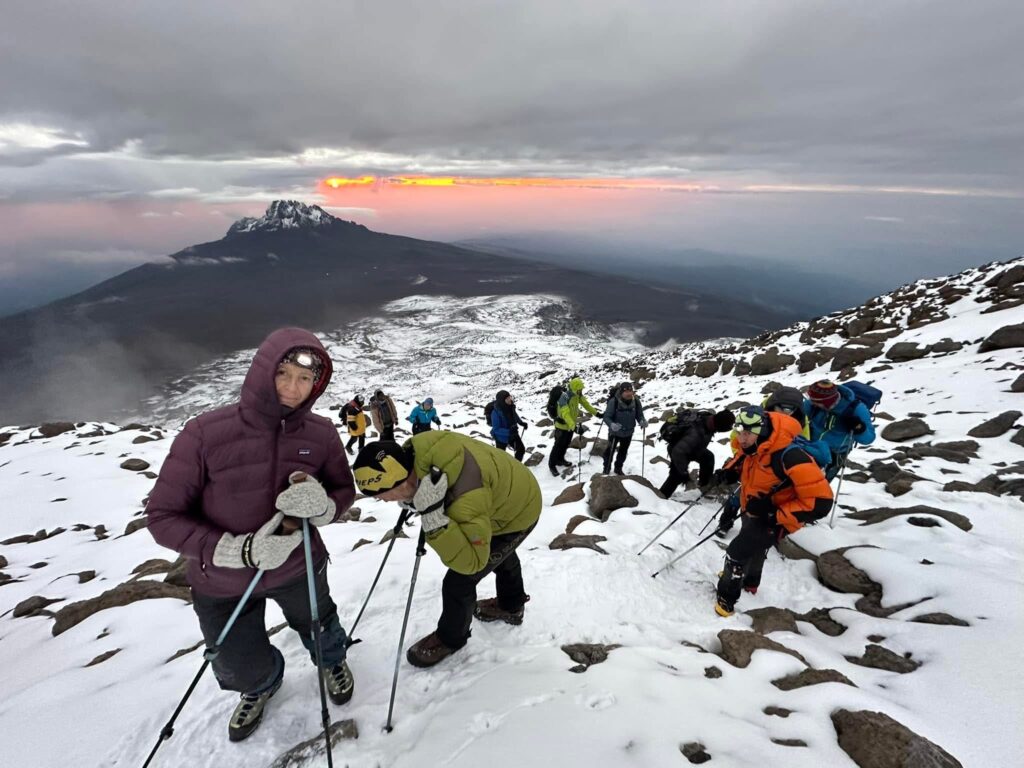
[{"x": 804, "y": 495}]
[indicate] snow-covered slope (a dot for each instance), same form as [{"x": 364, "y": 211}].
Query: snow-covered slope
[{"x": 509, "y": 698}]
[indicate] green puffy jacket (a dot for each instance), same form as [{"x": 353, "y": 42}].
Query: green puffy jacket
[
  {"x": 569, "y": 406},
  {"x": 489, "y": 493}
]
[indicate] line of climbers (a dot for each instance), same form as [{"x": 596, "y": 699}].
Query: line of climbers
[{"x": 240, "y": 480}]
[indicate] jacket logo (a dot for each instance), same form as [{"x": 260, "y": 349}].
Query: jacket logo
[{"x": 304, "y": 451}]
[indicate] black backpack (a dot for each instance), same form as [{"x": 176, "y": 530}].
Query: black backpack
[
  {"x": 679, "y": 423},
  {"x": 553, "y": 397},
  {"x": 488, "y": 410}
]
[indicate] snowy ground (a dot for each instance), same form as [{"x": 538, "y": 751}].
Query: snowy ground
[{"x": 508, "y": 698}]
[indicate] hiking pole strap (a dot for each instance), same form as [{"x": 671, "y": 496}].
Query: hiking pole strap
[{"x": 420, "y": 551}]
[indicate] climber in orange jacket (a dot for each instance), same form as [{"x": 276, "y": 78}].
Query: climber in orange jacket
[{"x": 781, "y": 489}]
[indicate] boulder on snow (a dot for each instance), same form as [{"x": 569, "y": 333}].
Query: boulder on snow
[
  {"x": 606, "y": 495},
  {"x": 770, "y": 361},
  {"x": 535, "y": 459},
  {"x": 1007, "y": 337},
  {"x": 178, "y": 574},
  {"x": 1018, "y": 384},
  {"x": 906, "y": 429},
  {"x": 880, "y": 657},
  {"x": 135, "y": 525},
  {"x": 123, "y": 594},
  {"x": 134, "y": 465},
  {"x": 771, "y": 619},
  {"x": 956, "y": 451},
  {"x": 54, "y": 428},
  {"x": 578, "y": 541},
  {"x": 994, "y": 427},
  {"x": 695, "y": 752},
  {"x": 943, "y": 619},
  {"x": 738, "y": 646},
  {"x": 881, "y": 514},
  {"x": 706, "y": 368},
  {"x": 570, "y": 494},
  {"x": 315, "y": 747},
  {"x": 838, "y": 573},
  {"x": 34, "y": 606},
  {"x": 811, "y": 677},
  {"x": 904, "y": 351},
  {"x": 850, "y": 355},
  {"x": 587, "y": 654},
  {"x": 875, "y": 740}
]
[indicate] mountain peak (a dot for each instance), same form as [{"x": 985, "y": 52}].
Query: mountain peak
[{"x": 284, "y": 214}]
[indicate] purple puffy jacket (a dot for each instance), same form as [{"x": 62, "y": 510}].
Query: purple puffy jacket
[{"x": 226, "y": 468}]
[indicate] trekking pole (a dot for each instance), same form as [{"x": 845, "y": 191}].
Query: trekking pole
[
  {"x": 710, "y": 519},
  {"x": 680, "y": 557},
  {"x": 391, "y": 545},
  {"x": 421, "y": 550},
  {"x": 835, "y": 501},
  {"x": 677, "y": 518},
  {"x": 314, "y": 610},
  {"x": 208, "y": 655},
  {"x": 643, "y": 449}
]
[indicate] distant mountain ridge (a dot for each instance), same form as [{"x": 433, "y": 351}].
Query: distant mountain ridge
[{"x": 296, "y": 265}]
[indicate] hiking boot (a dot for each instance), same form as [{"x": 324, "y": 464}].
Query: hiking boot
[
  {"x": 339, "y": 682},
  {"x": 722, "y": 608},
  {"x": 554, "y": 471},
  {"x": 248, "y": 713},
  {"x": 428, "y": 651},
  {"x": 566, "y": 464},
  {"x": 490, "y": 610},
  {"x": 619, "y": 472},
  {"x": 750, "y": 590}
]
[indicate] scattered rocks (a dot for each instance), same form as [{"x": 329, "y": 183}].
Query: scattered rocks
[
  {"x": 881, "y": 514},
  {"x": 577, "y": 541},
  {"x": 535, "y": 459},
  {"x": 134, "y": 465},
  {"x": 575, "y": 521},
  {"x": 849, "y": 355},
  {"x": 771, "y": 619},
  {"x": 606, "y": 495},
  {"x": 811, "y": 677},
  {"x": 84, "y": 576},
  {"x": 587, "y": 654},
  {"x": 34, "y": 606},
  {"x": 143, "y": 439},
  {"x": 695, "y": 752},
  {"x": 956, "y": 451},
  {"x": 302, "y": 754},
  {"x": 1018, "y": 384},
  {"x": 767, "y": 362},
  {"x": 822, "y": 620},
  {"x": 739, "y": 645},
  {"x": 1007, "y": 337},
  {"x": 879, "y": 657},
  {"x": 789, "y": 742},
  {"x": 875, "y": 740},
  {"x": 123, "y": 594},
  {"x": 135, "y": 525},
  {"x": 150, "y": 567},
  {"x": 103, "y": 657},
  {"x": 943, "y": 619},
  {"x": 360, "y": 543},
  {"x": 573, "y": 493},
  {"x": 997, "y": 426},
  {"x": 31, "y": 538},
  {"x": 712, "y": 672},
  {"x": 391, "y": 535},
  {"x": 773, "y": 711},
  {"x": 906, "y": 429},
  {"x": 905, "y": 351}
]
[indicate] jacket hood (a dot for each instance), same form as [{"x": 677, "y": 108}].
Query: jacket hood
[
  {"x": 784, "y": 429},
  {"x": 576, "y": 385},
  {"x": 259, "y": 392}
]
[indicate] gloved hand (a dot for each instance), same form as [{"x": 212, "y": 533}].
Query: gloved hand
[
  {"x": 524, "y": 426},
  {"x": 614, "y": 427},
  {"x": 436, "y": 421},
  {"x": 263, "y": 549},
  {"x": 643, "y": 425},
  {"x": 724, "y": 477},
  {"x": 428, "y": 500},
  {"x": 760, "y": 506},
  {"x": 306, "y": 498}
]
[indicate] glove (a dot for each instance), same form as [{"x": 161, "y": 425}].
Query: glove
[
  {"x": 723, "y": 477},
  {"x": 263, "y": 549},
  {"x": 429, "y": 500},
  {"x": 437, "y": 421},
  {"x": 306, "y": 498},
  {"x": 761, "y": 506},
  {"x": 643, "y": 425},
  {"x": 524, "y": 426},
  {"x": 615, "y": 427}
]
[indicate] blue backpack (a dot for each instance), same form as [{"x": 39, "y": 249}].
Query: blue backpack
[
  {"x": 864, "y": 393},
  {"x": 818, "y": 450}
]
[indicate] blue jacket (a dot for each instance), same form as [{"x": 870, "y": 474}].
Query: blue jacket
[
  {"x": 420, "y": 416},
  {"x": 835, "y": 427},
  {"x": 501, "y": 429},
  {"x": 627, "y": 416}
]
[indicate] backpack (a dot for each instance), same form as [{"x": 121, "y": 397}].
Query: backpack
[
  {"x": 819, "y": 452},
  {"x": 679, "y": 423},
  {"x": 488, "y": 410},
  {"x": 863, "y": 393},
  {"x": 553, "y": 397}
]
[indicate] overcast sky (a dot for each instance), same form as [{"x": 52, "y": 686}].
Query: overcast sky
[{"x": 815, "y": 130}]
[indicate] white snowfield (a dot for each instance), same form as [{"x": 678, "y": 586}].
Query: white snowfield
[{"x": 508, "y": 698}]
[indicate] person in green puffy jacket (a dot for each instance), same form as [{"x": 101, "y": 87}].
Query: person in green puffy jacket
[
  {"x": 566, "y": 423},
  {"x": 476, "y": 505}
]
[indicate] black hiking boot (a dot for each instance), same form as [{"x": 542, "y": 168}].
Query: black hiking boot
[
  {"x": 491, "y": 610},
  {"x": 248, "y": 713},
  {"x": 428, "y": 651},
  {"x": 339, "y": 682}
]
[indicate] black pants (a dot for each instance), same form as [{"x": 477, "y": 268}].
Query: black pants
[
  {"x": 388, "y": 433},
  {"x": 516, "y": 443},
  {"x": 247, "y": 662},
  {"x": 619, "y": 446},
  {"x": 419, "y": 426},
  {"x": 744, "y": 559},
  {"x": 352, "y": 441},
  {"x": 563, "y": 437},
  {"x": 458, "y": 591},
  {"x": 678, "y": 475}
]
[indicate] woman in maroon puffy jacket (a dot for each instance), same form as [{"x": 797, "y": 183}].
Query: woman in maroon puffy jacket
[{"x": 222, "y": 495}]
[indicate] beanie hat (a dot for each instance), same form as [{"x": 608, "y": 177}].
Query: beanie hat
[
  {"x": 381, "y": 466},
  {"x": 428, "y": 401},
  {"x": 824, "y": 394},
  {"x": 305, "y": 357},
  {"x": 723, "y": 421}
]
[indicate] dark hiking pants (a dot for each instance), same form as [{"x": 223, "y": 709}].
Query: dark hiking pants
[
  {"x": 247, "y": 662},
  {"x": 563, "y": 437},
  {"x": 352, "y": 441},
  {"x": 679, "y": 475},
  {"x": 744, "y": 559},
  {"x": 619, "y": 446},
  {"x": 515, "y": 443},
  {"x": 458, "y": 591}
]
